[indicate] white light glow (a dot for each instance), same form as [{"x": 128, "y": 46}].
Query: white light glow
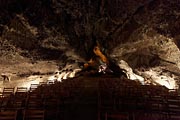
[{"x": 163, "y": 80}]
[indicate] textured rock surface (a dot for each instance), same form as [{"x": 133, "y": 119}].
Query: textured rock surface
[{"x": 144, "y": 33}]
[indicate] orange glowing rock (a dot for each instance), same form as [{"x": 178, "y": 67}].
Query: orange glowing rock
[
  {"x": 98, "y": 52},
  {"x": 99, "y": 55}
]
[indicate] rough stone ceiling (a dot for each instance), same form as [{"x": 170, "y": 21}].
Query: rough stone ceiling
[{"x": 145, "y": 33}]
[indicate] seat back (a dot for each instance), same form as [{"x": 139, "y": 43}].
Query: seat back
[
  {"x": 116, "y": 116},
  {"x": 8, "y": 115},
  {"x": 7, "y": 92},
  {"x": 33, "y": 114}
]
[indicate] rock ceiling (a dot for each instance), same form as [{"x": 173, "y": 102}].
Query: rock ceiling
[{"x": 144, "y": 33}]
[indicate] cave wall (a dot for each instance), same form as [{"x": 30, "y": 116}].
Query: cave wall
[
  {"x": 20, "y": 33},
  {"x": 81, "y": 23}
]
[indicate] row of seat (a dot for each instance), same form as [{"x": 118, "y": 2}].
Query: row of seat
[
  {"x": 130, "y": 100},
  {"x": 95, "y": 98},
  {"x": 28, "y": 114}
]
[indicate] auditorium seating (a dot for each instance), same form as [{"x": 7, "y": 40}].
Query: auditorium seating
[
  {"x": 33, "y": 114},
  {"x": 90, "y": 98},
  {"x": 8, "y": 92},
  {"x": 8, "y": 115},
  {"x": 116, "y": 116}
]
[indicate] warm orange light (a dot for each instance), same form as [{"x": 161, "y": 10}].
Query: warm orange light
[{"x": 98, "y": 52}]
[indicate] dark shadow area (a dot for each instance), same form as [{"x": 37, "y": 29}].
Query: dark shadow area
[{"x": 92, "y": 98}]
